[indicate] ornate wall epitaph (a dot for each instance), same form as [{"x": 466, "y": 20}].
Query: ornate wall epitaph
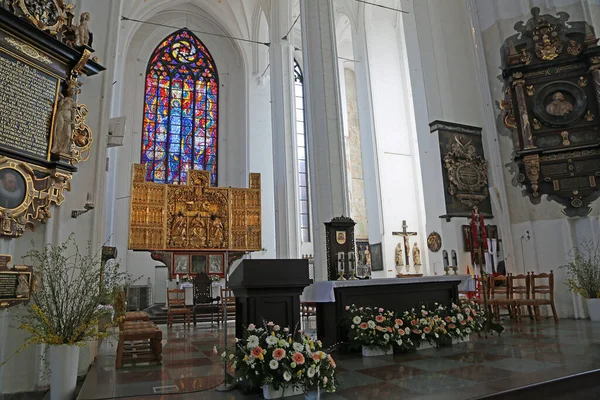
[
  {"x": 551, "y": 71},
  {"x": 464, "y": 169}
]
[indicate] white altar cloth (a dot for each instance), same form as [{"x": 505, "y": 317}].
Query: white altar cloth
[{"x": 323, "y": 292}]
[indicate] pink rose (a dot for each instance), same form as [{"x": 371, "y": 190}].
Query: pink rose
[
  {"x": 286, "y": 329},
  {"x": 324, "y": 380},
  {"x": 380, "y": 310},
  {"x": 276, "y": 328},
  {"x": 347, "y": 308},
  {"x": 251, "y": 327},
  {"x": 360, "y": 309},
  {"x": 270, "y": 323}
]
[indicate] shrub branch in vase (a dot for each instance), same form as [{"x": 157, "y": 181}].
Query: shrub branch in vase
[
  {"x": 583, "y": 275},
  {"x": 67, "y": 294},
  {"x": 281, "y": 360}
]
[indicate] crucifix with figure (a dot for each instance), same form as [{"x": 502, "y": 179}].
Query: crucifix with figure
[{"x": 405, "y": 234}]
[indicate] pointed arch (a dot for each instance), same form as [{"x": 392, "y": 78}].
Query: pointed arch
[{"x": 180, "y": 125}]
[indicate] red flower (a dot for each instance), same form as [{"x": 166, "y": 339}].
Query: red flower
[
  {"x": 401, "y": 332},
  {"x": 463, "y": 322},
  {"x": 298, "y": 358},
  {"x": 257, "y": 351},
  {"x": 399, "y": 322},
  {"x": 448, "y": 319},
  {"x": 414, "y": 322},
  {"x": 452, "y": 326},
  {"x": 278, "y": 354},
  {"x": 364, "y": 326},
  {"x": 417, "y": 331},
  {"x": 427, "y": 329},
  {"x": 380, "y": 318},
  {"x": 330, "y": 359},
  {"x": 389, "y": 329}
]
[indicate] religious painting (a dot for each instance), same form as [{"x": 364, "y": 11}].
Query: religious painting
[
  {"x": 340, "y": 237},
  {"x": 434, "y": 242},
  {"x": 376, "y": 257},
  {"x": 361, "y": 246},
  {"x": 198, "y": 264},
  {"x": 13, "y": 188},
  {"x": 215, "y": 264},
  {"x": 181, "y": 263},
  {"x": 464, "y": 169}
]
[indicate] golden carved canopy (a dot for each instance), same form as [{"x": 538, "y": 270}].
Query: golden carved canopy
[{"x": 195, "y": 216}]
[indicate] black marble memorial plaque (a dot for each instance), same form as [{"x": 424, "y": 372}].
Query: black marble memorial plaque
[{"x": 28, "y": 98}]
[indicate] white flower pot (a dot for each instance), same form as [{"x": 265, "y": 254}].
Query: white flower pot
[
  {"x": 371, "y": 351},
  {"x": 313, "y": 394},
  {"x": 427, "y": 345},
  {"x": 64, "y": 360},
  {"x": 594, "y": 309},
  {"x": 269, "y": 392}
]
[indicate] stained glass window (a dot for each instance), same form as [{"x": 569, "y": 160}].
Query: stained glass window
[
  {"x": 301, "y": 155},
  {"x": 180, "y": 111}
]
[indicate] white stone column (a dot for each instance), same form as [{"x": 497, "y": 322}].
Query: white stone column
[
  {"x": 282, "y": 119},
  {"x": 328, "y": 185},
  {"x": 368, "y": 142}
]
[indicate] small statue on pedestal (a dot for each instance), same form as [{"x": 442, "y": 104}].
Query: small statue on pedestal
[
  {"x": 399, "y": 258},
  {"x": 367, "y": 257},
  {"x": 416, "y": 255},
  {"x": 64, "y": 123},
  {"x": 82, "y": 34}
]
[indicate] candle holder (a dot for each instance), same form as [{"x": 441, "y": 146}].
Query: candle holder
[
  {"x": 341, "y": 276},
  {"x": 446, "y": 269},
  {"x": 455, "y": 268},
  {"x": 352, "y": 275}
]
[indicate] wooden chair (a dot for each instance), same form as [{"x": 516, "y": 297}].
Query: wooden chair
[
  {"x": 176, "y": 306},
  {"x": 500, "y": 295},
  {"x": 520, "y": 292},
  {"x": 203, "y": 302},
  {"x": 539, "y": 291},
  {"x": 227, "y": 297}
]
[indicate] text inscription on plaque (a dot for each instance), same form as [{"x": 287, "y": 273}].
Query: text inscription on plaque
[{"x": 27, "y": 102}]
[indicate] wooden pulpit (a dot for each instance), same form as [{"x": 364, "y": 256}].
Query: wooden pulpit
[{"x": 268, "y": 290}]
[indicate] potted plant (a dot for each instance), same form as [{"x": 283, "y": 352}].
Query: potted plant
[
  {"x": 583, "y": 275},
  {"x": 64, "y": 309}
]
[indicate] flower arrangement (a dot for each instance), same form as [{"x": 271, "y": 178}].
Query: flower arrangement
[
  {"x": 214, "y": 278},
  {"x": 70, "y": 295},
  {"x": 583, "y": 270},
  {"x": 186, "y": 278},
  {"x": 282, "y": 358},
  {"x": 376, "y": 327}
]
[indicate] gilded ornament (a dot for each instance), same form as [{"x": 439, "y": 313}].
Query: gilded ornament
[
  {"x": 548, "y": 45},
  {"x": 47, "y": 15},
  {"x": 595, "y": 60},
  {"x": 530, "y": 90},
  {"x": 517, "y": 75},
  {"x": 589, "y": 117},
  {"x": 574, "y": 48},
  {"x": 434, "y": 242},
  {"x": 532, "y": 170},
  {"x": 28, "y": 50},
  {"x": 525, "y": 56},
  {"x": 565, "y": 136},
  {"x": 582, "y": 82}
]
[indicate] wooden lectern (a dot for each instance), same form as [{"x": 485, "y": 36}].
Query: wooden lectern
[{"x": 268, "y": 290}]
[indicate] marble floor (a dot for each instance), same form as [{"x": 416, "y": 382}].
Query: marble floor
[{"x": 526, "y": 353}]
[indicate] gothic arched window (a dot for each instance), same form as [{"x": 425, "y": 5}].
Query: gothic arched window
[
  {"x": 180, "y": 110},
  {"x": 302, "y": 159}
]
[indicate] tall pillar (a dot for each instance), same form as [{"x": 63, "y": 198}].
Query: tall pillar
[
  {"x": 7, "y": 246},
  {"x": 323, "y": 114},
  {"x": 282, "y": 120},
  {"x": 368, "y": 142}
]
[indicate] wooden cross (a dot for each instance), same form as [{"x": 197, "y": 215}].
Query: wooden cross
[{"x": 405, "y": 234}]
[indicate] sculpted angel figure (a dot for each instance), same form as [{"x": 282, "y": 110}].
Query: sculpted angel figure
[
  {"x": 64, "y": 122},
  {"x": 82, "y": 34}
]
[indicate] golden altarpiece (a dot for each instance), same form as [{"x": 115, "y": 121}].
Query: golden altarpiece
[{"x": 194, "y": 219}]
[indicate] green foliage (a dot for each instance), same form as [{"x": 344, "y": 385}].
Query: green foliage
[{"x": 583, "y": 270}]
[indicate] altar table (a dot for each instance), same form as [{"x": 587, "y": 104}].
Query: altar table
[{"x": 396, "y": 294}]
